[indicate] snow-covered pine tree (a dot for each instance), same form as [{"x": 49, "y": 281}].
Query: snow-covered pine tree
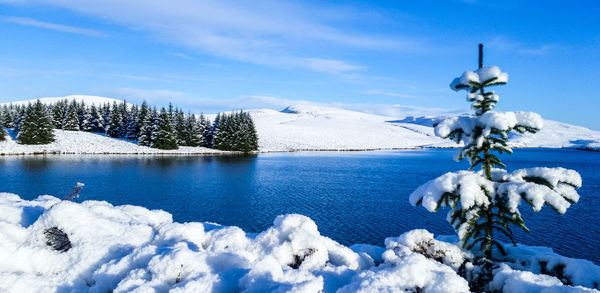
[
  {"x": 93, "y": 120},
  {"x": 105, "y": 113},
  {"x": 125, "y": 118},
  {"x": 8, "y": 119},
  {"x": 248, "y": 136},
  {"x": 486, "y": 202},
  {"x": 81, "y": 111},
  {"x": 145, "y": 122},
  {"x": 59, "y": 113},
  {"x": 36, "y": 125},
  {"x": 19, "y": 117},
  {"x": 71, "y": 121},
  {"x": 115, "y": 126},
  {"x": 219, "y": 132},
  {"x": 3, "y": 133},
  {"x": 206, "y": 131},
  {"x": 179, "y": 126},
  {"x": 133, "y": 126},
  {"x": 193, "y": 131},
  {"x": 165, "y": 137}
]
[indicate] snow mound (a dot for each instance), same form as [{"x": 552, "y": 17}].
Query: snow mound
[{"x": 128, "y": 248}]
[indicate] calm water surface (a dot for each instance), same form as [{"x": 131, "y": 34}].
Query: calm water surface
[{"x": 358, "y": 197}]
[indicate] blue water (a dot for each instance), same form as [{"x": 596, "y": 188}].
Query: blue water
[{"x": 354, "y": 197}]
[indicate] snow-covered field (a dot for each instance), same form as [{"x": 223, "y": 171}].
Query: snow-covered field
[
  {"x": 79, "y": 142},
  {"x": 130, "y": 248},
  {"x": 311, "y": 127}
]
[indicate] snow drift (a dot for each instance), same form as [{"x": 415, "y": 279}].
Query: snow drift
[{"x": 129, "y": 248}]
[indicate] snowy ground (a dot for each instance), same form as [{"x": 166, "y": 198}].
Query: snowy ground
[
  {"x": 79, "y": 142},
  {"x": 130, "y": 248}
]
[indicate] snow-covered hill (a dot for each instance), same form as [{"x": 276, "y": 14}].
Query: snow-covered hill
[
  {"x": 88, "y": 100},
  {"x": 306, "y": 127},
  {"x": 315, "y": 127}
]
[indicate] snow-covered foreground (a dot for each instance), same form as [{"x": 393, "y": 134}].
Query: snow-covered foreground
[
  {"x": 130, "y": 248},
  {"x": 80, "y": 142}
]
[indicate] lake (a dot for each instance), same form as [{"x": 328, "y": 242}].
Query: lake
[{"x": 354, "y": 197}]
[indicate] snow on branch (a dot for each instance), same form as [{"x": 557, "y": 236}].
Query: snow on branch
[
  {"x": 485, "y": 76},
  {"x": 536, "y": 186}
]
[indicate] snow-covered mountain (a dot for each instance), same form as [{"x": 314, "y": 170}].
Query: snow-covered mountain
[{"x": 88, "y": 100}]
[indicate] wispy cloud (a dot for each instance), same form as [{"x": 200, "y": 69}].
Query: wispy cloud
[
  {"x": 507, "y": 44},
  {"x": 273, "y": 33},
  {"x": 180, "y": 55},
  {"x": 53, "y": 26},
  {"x": 389, "y": 94}
]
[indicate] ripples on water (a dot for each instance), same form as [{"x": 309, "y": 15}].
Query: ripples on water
[{"x": 357, "y": 197}]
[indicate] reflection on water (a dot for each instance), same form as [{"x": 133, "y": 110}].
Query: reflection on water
[{"x": 354, "y": 197}]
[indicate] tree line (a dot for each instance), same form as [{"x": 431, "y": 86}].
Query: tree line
[{"x": 168, "y": 128}]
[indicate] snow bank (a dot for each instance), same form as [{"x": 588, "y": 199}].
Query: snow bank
[
  {"x": 129, "y": 248},
  {"x": 80, "y": 142}
]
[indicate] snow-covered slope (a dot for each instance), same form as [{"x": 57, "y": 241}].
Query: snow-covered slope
[
  {"x": 129, "y": 248},
  {"x": 310, "y": 127},
  {"x": 79, "y": 142},
  {"x": 88, "y": 100}
]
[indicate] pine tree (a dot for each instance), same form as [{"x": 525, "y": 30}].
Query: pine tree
[
  {"x": 105, "y": 116},
  {"x": 164, "y": 137},
  {"x": 486, "y": 202},
  {"x": 133, "y": 126},
  {"x": 179, "y": 126},
  {"x": 207, "y": 131},
  {"x": 36, "y": 125},
  {"x": 71, "y": 122},
  {"x": 59, "y": 113},
  {"x": 145, "y": 122},
  {"x": 93, "y": 120},
  {"x": 115, "y": 126}
]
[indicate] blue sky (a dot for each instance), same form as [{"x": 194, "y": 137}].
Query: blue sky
[{"x": 387, "y": 57}]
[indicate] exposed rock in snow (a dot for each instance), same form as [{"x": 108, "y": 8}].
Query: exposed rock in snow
[{"x": 129, "y": 248}]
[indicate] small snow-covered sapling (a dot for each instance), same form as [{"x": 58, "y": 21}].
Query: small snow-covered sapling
[{"x": 486, "y": 202}]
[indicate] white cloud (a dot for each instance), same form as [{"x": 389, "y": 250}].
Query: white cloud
[
  {"x": 274, "y": 33},
  {"x": 53, "y": 26}
]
